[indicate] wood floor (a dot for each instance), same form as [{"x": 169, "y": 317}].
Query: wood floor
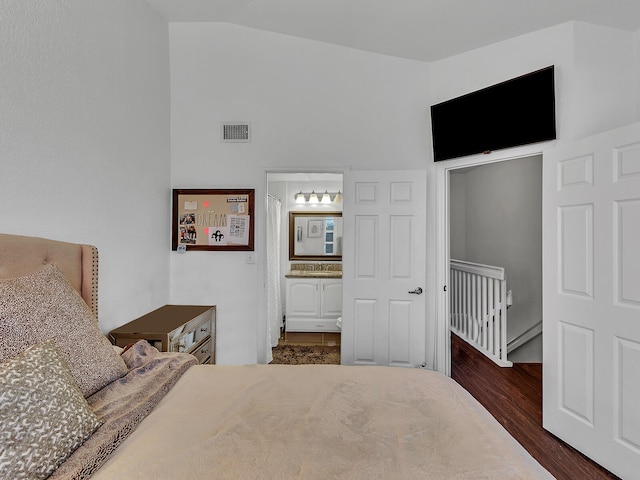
[{"x": 514, "y": 397}]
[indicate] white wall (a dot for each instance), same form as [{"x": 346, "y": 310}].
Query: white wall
[
  {"x": 457, "y": 215},
  {"x": 84, "y": 139},
  {"x": 311, "y": 105},
  {"x": 603, "y": 79}
]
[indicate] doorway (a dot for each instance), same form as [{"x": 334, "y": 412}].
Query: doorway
[
  {"x": 295, "y": 191},
  {"x": 495, "y": 219}
]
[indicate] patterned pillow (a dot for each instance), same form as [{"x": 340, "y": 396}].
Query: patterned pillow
[
  {"x": 44, "y": 305},
  {"x": 43, "y": 415}
]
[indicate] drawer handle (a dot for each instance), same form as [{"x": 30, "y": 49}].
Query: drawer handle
[
  {"x": 203, "y": 329},
  {"x": 204, "y": 350}
]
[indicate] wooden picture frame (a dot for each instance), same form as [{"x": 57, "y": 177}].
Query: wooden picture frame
[
  {"x": 213, "y": 219},
  {"x": 324, "y": 242}
]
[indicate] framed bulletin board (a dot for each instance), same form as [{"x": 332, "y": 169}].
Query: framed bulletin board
[{"x": 206, "y": 219}]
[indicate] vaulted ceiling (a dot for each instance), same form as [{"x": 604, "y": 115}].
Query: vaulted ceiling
[{"x": 419, "y": 29}]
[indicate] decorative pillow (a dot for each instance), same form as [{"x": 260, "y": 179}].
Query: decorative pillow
[
  {"x": 44, "y": 305},
  {"x": 43, "y": 415}
]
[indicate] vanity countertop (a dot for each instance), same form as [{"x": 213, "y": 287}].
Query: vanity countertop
[
  {"x": 313, "y": 274},
  {"x": 315, "y": 270}
]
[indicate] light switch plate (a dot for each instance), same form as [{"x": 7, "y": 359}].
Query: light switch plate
[{"x": 251, "y": 257}]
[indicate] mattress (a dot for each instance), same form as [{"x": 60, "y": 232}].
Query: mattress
[{"x": 319, "y": 422}]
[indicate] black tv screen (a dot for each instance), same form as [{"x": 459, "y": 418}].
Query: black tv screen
[{"x": 512, "y": 113}]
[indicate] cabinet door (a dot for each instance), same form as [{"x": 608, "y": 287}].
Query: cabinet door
[
  {"x": 303, "y": 298},
  {"x": 331, "y": 305}
]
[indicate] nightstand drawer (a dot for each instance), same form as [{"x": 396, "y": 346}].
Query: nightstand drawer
[
  {"x": 187, "y": 335},
  {"x": 203, "y": 330},
  {"x": 203, "y": 352}
]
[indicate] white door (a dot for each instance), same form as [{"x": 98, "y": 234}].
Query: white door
[
  {"x": 383, "y": 263},
  {"x": 591, "y": 297}
]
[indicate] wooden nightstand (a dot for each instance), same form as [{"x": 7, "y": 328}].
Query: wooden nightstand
[{"x": 174, "y": 328}]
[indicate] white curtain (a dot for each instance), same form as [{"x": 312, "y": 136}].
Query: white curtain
[{"x": 274, "y": 303}]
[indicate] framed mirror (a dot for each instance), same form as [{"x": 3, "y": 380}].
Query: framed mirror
[{"x": 315, "y": 235}]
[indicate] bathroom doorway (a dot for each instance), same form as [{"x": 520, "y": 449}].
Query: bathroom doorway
[{"x": 302, "y": 192}]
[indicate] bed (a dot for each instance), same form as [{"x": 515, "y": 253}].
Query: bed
[{"x": 146, "y": 414}]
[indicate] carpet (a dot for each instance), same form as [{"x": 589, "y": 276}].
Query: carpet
[{"x": 306, "y": 354}]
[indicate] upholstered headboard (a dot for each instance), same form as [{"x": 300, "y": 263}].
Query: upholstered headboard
[{"x": 20, "y": 255}]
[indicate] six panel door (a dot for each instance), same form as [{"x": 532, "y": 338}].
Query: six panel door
[
  {"x": 591, "y": 297},
  {"x": 384, "y": 260}
]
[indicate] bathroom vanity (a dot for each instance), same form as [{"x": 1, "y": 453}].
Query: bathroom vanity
[{"x": 313, "y": 298}]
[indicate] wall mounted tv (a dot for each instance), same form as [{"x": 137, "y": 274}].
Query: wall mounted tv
[{"x": 512, "y": 113}]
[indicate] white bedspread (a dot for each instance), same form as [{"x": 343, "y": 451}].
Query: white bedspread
[{"x": 319, "y": 422}]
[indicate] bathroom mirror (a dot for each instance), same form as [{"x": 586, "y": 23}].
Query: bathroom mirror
[{"x": 315, "y": 235}]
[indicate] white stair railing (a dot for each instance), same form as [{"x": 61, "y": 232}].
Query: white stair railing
[{"x": 478, "y": 310}]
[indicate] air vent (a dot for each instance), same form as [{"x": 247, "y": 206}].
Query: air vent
[{"x": 235, "y": 132}]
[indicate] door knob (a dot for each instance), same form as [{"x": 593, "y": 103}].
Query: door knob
[{"x": 417, "y": 291}]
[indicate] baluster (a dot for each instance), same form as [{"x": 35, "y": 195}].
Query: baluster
[
  {"x": 458, "y": 302},
  {"x": 483, "y": 310},
  {"x": 497, "y": 325},
  {"x": 503, "y": 320},
  {"x": 453, "y": 295},
  {"x": 472, "y": 322},
  {"x": 490, "y": 317},
  {"x": 467, "y": 306}
]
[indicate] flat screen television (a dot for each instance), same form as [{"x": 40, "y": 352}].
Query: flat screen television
[{"x": 516, "y": 112}]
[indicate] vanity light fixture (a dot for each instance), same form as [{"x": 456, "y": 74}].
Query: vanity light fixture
[{"x": 314, "y": 199}]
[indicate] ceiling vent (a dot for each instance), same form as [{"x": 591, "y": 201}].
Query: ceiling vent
[{"x": 235, "y": 132}]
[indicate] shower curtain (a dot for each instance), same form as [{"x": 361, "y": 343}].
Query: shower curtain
[{"x": 274, "y": 303}]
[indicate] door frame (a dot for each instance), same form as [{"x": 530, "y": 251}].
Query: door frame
[
  {"x": 261, "y": 247},
  {"x": 441, "y": 332}
]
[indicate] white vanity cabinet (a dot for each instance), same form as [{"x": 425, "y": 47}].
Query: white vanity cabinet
[{"x": 313, "y": 304}]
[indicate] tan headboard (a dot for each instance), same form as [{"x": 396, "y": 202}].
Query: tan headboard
[{"x": 20, "y": 255}]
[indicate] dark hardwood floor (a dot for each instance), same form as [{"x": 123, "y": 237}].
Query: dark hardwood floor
[{"x": 514, "y": 397}]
